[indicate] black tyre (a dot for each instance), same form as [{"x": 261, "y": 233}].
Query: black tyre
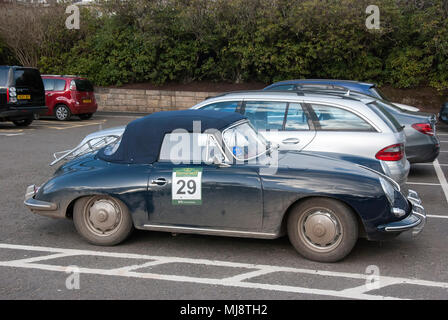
[
  {"x": 23, "y": 122},
  {"x": 102, "y": 220},
  {"x": 62, "y": 112},
  {"x": 322, "y": 229},
  {"x": 85, "y": 116}
]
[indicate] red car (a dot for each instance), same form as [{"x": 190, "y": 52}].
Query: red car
[{"x": 69, "y": 95}]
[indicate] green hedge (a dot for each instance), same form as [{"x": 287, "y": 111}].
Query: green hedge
[{"x": 256, "y": 40}]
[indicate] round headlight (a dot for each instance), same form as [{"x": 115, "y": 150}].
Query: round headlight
[{"x": 388, "y": 189}]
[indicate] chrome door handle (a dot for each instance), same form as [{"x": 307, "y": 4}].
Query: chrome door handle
[
  {"x": 159, "y": 182},
  {"x": 291, "y": 141}
]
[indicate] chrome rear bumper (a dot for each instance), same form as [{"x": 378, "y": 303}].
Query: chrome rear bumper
[
  {"x": 415, "y": 221},
  {"x": 44, "y": 208}
]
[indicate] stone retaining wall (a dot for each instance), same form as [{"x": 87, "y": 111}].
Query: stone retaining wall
[{"x": 147, "y": 101}]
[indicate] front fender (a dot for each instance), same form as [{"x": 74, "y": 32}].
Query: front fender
[{"x": 91, "y": 176}]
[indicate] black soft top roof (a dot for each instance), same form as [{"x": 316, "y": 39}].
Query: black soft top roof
[{"x": 142, "y": 138}]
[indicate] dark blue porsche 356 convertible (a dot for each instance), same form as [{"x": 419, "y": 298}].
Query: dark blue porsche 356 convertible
[{"x": 209, "y": 172}]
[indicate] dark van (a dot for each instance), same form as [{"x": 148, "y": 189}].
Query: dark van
[{"x": 22, "y": 95}]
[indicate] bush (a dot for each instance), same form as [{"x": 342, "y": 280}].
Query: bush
[{"x": 251, "y": 40}]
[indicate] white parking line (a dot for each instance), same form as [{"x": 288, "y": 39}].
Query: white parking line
[
  {"x": 441, "y": 177},
  {"x": 424, "y": 183},
  {"x": 429, "y": 164},
  {"x": 118, "y": 116},
  {"x": 358, "y": 292},
  {"x": 11, "y": 134},
  {"x": 436, "y": 216}
]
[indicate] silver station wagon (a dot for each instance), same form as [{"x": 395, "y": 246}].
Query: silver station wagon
[{"x": 321, "y": 123}]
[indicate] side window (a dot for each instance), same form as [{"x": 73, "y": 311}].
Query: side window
[
  {"x": 283, "y": 87},
  {"x": 184, "y": 147},
  {"x": 48, "y": 84},
  {"x": 4, "y": 75},
  {"x": 333, "y": 118},
  {"x": 28, "y": 78},
  {"x": 227, "y": 106},
  {"x": 266, "y": 115},
  {"x": 296, "y": 118},
  {"x": 59, "y": 85}
]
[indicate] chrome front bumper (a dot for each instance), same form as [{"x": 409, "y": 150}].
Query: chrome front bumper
[
  {"x": 43, "y": 208},
  {"x": 415, "y": 221}
]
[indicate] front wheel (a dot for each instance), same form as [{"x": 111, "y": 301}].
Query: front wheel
[
  {"x": 322, "y": 229},
  {"x": 102, "y": 220}
]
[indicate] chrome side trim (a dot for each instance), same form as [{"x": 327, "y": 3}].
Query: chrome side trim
[{"x": 209, "y": 231}]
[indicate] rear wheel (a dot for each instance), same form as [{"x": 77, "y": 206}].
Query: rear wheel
[
  {"x": 102, "y": 220},
  {"x": 85, "y": 116},
  {"x": 322, "y": 229},
  {"x": 62, "y": 112},
  {"x": 23, "y": 122}
]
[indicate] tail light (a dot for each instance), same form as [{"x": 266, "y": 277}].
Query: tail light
[
  {"x": 11, "y": 95},
  {"x": 391, "y": 153},
  {"x": 424, "y": 128},
  {"x": 72, "y": 85}
]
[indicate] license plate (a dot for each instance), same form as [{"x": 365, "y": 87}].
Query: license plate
[
  {"x": 87, "y": 101},
  {"x": 24, "y": 97}
]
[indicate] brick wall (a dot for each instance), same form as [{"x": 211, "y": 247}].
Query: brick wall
[{"x": 147, "y": 101}]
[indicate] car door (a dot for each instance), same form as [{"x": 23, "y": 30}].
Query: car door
[
  {"x": 200, "y": 194},
  {"x": 342, "y": 131},
  {"x": 49, "y": 100},
  {"x": 285, "y": 123}
]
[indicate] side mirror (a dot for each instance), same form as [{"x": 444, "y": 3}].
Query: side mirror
[{"x": 219, "y": 161}]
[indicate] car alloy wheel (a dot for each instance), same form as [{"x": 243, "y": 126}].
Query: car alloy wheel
[{"x": 62, "y": 113}]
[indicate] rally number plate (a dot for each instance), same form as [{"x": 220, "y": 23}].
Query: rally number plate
[{"x": 187, "y": 186}]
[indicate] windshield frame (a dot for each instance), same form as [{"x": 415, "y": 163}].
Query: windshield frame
[{"x": 258, "y": 136}]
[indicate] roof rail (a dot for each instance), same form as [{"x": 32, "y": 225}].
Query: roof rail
[{"x": 266, "y": 92}]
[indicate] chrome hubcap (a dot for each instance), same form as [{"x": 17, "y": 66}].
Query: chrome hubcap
[
  {"x": 320, "y": 230},
  {"x": 103, "y": 216}
]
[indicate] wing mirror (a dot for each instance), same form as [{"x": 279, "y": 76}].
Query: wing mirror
[{"x": 219, "y": 161}]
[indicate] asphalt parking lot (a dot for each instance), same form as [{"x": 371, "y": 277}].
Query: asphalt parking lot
[{"x": 38, "y": 255}]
